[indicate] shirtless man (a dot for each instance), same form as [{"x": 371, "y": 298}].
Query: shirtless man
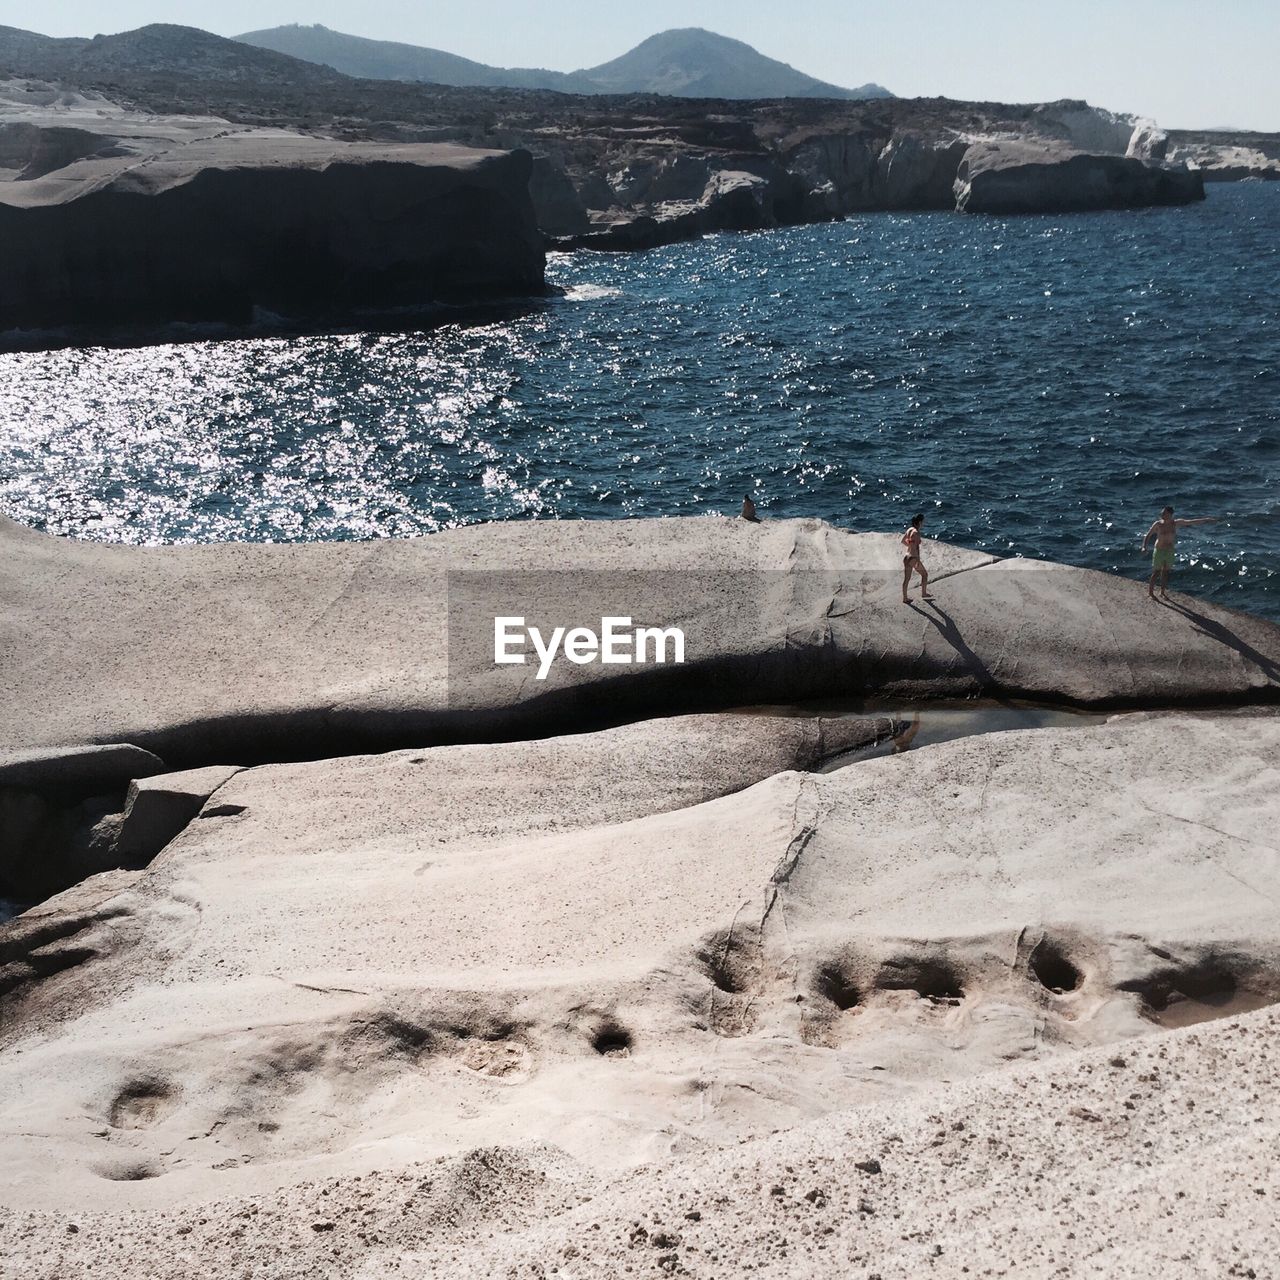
[
  {"x": 910, "y": 561},
  {"x": 1165, "y": 532}
]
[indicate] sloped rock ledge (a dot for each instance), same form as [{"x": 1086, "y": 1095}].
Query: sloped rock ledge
[
  {"x": 249, "y": 653},
  {"x": 55, "y": 836}
]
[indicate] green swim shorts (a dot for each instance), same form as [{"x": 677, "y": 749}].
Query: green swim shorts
[{"x": 1162, "y": 558}]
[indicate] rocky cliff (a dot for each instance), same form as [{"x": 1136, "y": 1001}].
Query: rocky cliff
[
  {"x": 630, "y": 172},
  {"x": 1221, "y": 156},
  {"x": 1025, "y": 177},
  {"x": 819, "y": 176},
  {"x": 636, "y": 170},
  {"x": 216, "y": 227}
]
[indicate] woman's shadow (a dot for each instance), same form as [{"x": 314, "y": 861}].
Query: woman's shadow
[{"x": 951, "y": 634}]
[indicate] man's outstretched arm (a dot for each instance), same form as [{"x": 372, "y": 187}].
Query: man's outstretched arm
[{"x": 1200, "y": 520}]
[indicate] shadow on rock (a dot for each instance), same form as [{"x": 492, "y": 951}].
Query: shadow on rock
[{"x": 1224, "y": 635}]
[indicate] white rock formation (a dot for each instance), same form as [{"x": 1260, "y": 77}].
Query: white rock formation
[
  {"x": 243, "y": 652},
  {"x": 362, "y": 1005}
]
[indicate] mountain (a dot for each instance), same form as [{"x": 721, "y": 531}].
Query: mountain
[
  {"x": 688, "y": 63},
  {"x": 21, "y": 48},
  {"x": 693, "y": 63},
  {"x": 390, "y": 60},
  {"x": 27, "y": 53},
  {"x": 160, "y": 48}
]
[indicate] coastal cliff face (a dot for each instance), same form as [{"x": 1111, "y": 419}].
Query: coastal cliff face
[
  {"x": 1227, "y": 157},
  {"x": 641, "y": 174},
  {"x": 829, "y": 175},
  {"x": 629, "y": 172},
  {"x": 216, "y": 228},
  {"x": 1010, "y": 178}
]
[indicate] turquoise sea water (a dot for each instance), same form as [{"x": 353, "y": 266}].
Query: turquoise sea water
[{"x": 1037, "y": 386}]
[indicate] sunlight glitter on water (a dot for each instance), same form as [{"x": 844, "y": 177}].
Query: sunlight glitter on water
[{"x": 1039, "y": 386}]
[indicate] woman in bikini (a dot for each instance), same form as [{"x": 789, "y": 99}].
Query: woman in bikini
[{"x": 911, "y": 540}]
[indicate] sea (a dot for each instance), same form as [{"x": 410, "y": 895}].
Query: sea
[{"x": 1036, "y": 386}]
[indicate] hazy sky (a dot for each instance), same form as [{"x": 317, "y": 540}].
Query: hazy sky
[{"x": 1188, "y": 63}]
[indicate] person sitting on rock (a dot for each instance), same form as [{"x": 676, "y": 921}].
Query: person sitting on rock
[
  {"x": 911, "y": 561},
  {"x": 1165, "y": 532},
  {"x": 749, "y": 509}
]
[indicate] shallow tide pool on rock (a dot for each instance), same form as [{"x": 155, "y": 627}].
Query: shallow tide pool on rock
[{"x": 924, "y": 724}]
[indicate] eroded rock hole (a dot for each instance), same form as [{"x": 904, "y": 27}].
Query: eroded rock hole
[
  {"x": 730, "y": 960},
  {"x": 382, "y": 1037},
  {"x": 139, "y": 1103},
  {"x": 835, "y": 985},
  {"x": 490, "y": 1029},
  {"x": 133, "y": 1172},
  {"x": 402, "y": 1036},
  {"x": 1053, "y": 968},
  {"x": 1210, "y": 981},
  {"x": 611, "y": 1040},
  {"x": 929, "y": 977}
]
